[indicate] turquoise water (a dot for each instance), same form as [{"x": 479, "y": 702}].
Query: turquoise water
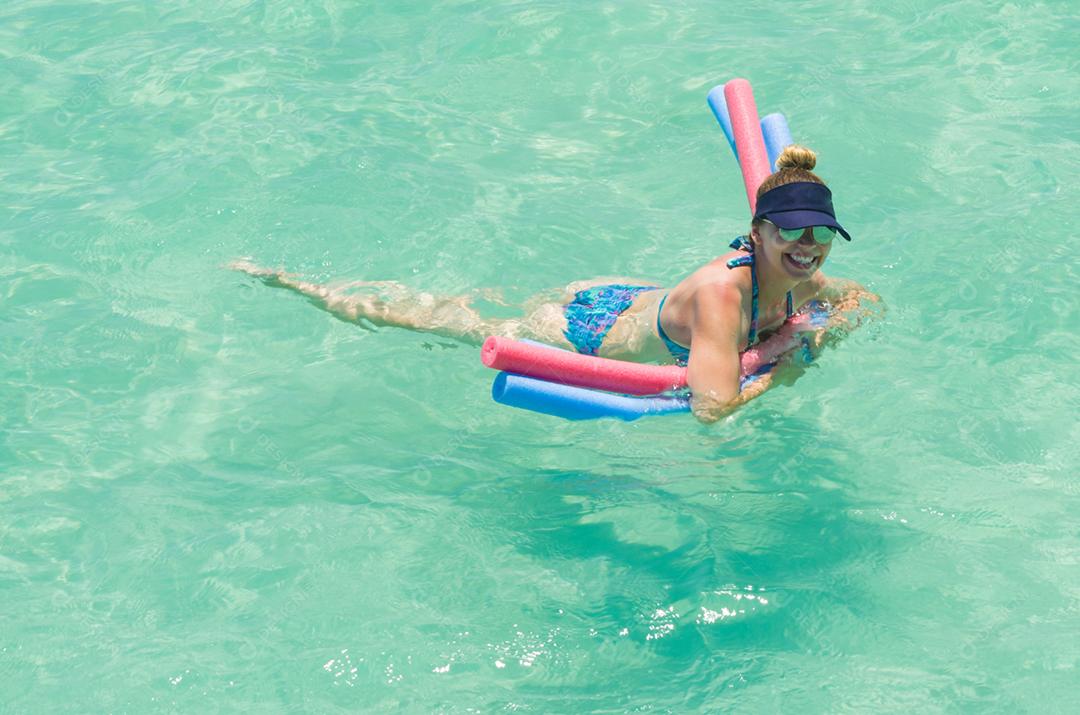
[{"x": 214, "y": 497}]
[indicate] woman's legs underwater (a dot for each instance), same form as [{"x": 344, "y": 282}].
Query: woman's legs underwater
[{"x": 394, "y": 305}]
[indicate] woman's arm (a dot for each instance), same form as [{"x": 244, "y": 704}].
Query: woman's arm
[
  {"x": 713, "y": 372},
  {"x": 848, "y": 305},
  {"x": 845, "y": 294}
]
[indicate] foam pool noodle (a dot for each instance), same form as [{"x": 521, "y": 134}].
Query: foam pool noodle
[
  {"x": 577, "y": 403},
  {"x": 547, "y": 362},
  {"x": 775, "y": 132},
  {"x": 746, "y": 128},
  {"x": 718, "y": 105}
]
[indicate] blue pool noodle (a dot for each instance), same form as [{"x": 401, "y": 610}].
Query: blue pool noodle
[
  {"x": 718, "y": 105},
  {"x": 774, "y": 128},
  {"x": 578, "y": 403}
]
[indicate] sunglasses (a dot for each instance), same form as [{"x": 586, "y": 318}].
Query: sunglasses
[{"x": 823, "y": 235}]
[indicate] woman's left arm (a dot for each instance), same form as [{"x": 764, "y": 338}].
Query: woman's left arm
[
  {"x": 849, "y": 303},
  {"x": 844, "y": 294}
]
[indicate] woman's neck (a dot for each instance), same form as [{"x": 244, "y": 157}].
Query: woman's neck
[{"x": 773, "y": 284}]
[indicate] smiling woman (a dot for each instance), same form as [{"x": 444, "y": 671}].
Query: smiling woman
[
  {"x": 717, "y": 311},
  {"x": 720, "y": 312}
]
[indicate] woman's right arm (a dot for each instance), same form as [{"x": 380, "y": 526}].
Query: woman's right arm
[{"x": 713, "y": 371}]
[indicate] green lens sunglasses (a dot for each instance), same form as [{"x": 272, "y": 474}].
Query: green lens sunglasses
[{"x": 823, "y": 235}]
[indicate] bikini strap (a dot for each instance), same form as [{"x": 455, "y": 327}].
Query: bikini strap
[
  {"x": 751, "y": 334},
  {"x": 681, "y": 353},
  {"x": 742, "y": 244}
]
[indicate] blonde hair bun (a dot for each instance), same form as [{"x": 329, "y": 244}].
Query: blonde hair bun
[{"x": 795, "y": 156}]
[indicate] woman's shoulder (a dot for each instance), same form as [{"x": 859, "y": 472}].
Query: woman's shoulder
[
  {"x": 720, "y": 268},
  {"x": 715, "y": 281},
  {"x": 713, "y": 274}
]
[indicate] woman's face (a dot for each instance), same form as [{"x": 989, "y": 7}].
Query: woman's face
[{"x": 799, "y": 259}]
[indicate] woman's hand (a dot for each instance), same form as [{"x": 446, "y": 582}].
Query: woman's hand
[{"x": 707, "y": 409}]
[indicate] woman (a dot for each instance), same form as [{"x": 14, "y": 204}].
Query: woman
[{"x": 719, "y": 310}]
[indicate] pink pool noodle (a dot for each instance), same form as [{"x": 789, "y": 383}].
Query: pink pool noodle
[
  {"x": 776, "y": 345},
  {"x": 628, "y": 378},
  {"x": 569, "y": 368},
  {"x": 745, "y": 125}
]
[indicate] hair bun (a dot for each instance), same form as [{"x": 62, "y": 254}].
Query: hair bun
[{"x": 795, "y": 156}]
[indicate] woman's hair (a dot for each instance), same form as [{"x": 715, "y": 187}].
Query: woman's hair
[{"x": 793, "y": 164}]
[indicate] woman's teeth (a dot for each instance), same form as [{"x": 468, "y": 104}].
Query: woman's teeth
[{"x": 804, "y": 261}]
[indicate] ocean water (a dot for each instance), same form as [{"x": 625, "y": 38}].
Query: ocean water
[{"x": 216, "y": 498}]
